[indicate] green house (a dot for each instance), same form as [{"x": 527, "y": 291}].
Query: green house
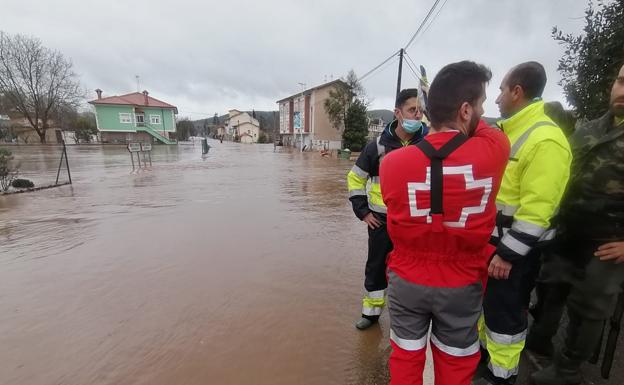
[{"x": 135, "y": 117}]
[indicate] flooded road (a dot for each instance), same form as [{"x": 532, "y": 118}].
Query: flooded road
[{"x": 245, "y": 267}]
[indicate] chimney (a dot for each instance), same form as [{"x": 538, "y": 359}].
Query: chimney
[
  {"x": 99, "y": 93},
  {"x": 145, "y": 93}
]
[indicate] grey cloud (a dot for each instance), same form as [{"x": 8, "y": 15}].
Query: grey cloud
[{"x": 210, "y": 56}]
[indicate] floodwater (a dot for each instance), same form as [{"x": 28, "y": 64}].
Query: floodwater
[{"x": 245, "y": 267}]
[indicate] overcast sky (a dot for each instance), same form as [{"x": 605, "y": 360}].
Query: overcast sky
[{"x": 211, "y": 56}]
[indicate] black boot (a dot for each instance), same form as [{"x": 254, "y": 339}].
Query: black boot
[
  {"x": 366, "y": 322},
  {"x": 582, "y": 336},
  {"x": 564, "y": 371}
]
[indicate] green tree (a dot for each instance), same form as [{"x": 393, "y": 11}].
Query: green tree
[
  {"x": 355, "y": 134},
  {"x": 340, "y": 99},
  {"x": 184, "y": 129},
  {"x": 592, "y": 59},
  {"x": 8, "y": 170},
  {"x": 84, "y": 127}
]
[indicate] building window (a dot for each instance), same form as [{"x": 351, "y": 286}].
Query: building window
[
  {"x": 125, "y": 117},
  {"x": 154, "y": 119},
  {"x": 140, "y": 119}
]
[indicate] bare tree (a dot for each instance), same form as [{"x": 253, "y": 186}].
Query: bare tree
[{"x": 36, "y": 80}]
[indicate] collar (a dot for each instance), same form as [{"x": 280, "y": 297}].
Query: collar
[
  {"x": 391, "y": 139},
  {"x": 518, "y": 120},
  {"x": 618, "y": 121}
]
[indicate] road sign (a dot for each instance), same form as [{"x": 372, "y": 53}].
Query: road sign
[
  {"x": 134, "y": 147},
  {"x": 146, "y": 147}
]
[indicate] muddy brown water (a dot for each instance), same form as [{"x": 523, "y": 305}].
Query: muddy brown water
[{"x": 241, "y": 268}]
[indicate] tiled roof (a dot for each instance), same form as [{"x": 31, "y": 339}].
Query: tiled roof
[{"x": 133, "y": 99}]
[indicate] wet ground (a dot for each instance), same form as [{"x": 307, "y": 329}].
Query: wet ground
[{"x": 241, "y": 268}]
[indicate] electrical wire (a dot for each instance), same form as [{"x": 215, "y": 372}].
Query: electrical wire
[
  {"x": 436, "y": 15},
  {"x": 377, "y": 67},
  {"x": 384, "y": 68},
  {"x": 422, "y": 24}
]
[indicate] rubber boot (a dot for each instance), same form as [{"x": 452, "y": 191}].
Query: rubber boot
[
  {"x": 582, "y": 336},
  {"x": 489, "y": 379},
  {"x": 366, "y": 322},
  {"x": 564, "y": 371}
]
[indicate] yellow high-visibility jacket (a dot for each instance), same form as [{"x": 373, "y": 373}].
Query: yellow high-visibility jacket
[{"x": 534, "y": 181}]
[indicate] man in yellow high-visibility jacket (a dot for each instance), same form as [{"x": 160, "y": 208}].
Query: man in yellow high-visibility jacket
[
  {"x": 368, "y": 205},
  {"x": 532, "y": 187}
]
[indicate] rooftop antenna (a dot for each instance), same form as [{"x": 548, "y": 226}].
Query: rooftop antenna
[{"x": 137, "y": 80}]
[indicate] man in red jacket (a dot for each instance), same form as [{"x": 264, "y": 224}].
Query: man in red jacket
[{"x": 440, "y": 196}]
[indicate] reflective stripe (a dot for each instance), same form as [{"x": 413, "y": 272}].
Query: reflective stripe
[
  {"x": 353, "y": 193},
  {"x": 376, "y": 294},
  {"x": 411, "y": 345},
  {"x": 506, "y": 339},
  {"x": 375, "y": 179},
  {"x": 508, "y": 210},
  {"x": 453, "y": 351},
  {"x": 377, "y": 208},
  {"x": 372, "y": 310},
  {"x": 500, "y": 372},
  {"x": 548, "y": 235},
  {"x": 528, "y": 228},
  {"x": 495, "y": 231},
  {"x": 515, "y": 245},
  {"x": 523, "y": 138},
  {"x": 381, "y": 149},
  {"x": 373, "y": 302},
  {"x": 359, "y": 172}
]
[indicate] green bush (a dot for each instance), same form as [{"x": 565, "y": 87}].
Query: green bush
[
  {"x": 22, "y": 183},
  {"x": 8, "y": 171}
]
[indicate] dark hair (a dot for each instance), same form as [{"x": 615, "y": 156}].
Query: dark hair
[
  {"x": 531, "y": 76},
  {"x": 454, "y": 85},
  {"x": 404, "y": 95}
]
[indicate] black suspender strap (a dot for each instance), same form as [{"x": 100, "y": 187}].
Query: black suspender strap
[{"x": 436, "y": 157}]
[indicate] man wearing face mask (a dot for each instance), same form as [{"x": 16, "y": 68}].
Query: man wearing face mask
[
  {"x": 534, "y": 182},
  {"x": 584, "y": 268},
  {"x": 440, "y": 196},
  {"x": 365, "y": 196}
]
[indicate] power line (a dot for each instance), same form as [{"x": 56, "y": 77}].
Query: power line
[
  {"x": 416, "y": 76},
  {"x": 422, "y": 24},
  {"x": 377, "y": 67},
  {"x": 436, "y": 15},
  {"x": 415, "y": 69},
  {"x": 382, "y": 69}
]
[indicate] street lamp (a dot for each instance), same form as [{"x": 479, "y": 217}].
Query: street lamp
[{"x": 301, "y": 123}]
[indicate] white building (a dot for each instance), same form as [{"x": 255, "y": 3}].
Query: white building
[{"x": 243, "y": 126}]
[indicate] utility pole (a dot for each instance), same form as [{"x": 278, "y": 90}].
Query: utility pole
[{"x": 400, "y": 72}]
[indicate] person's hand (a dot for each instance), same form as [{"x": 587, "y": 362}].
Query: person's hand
[
  {"x": 371, "y": 221},
  {"x": 613, "y": 251},
  {"x": 499, "y": 268}
]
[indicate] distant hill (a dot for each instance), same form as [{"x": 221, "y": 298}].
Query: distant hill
[{"x": 386, "y": 115}]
